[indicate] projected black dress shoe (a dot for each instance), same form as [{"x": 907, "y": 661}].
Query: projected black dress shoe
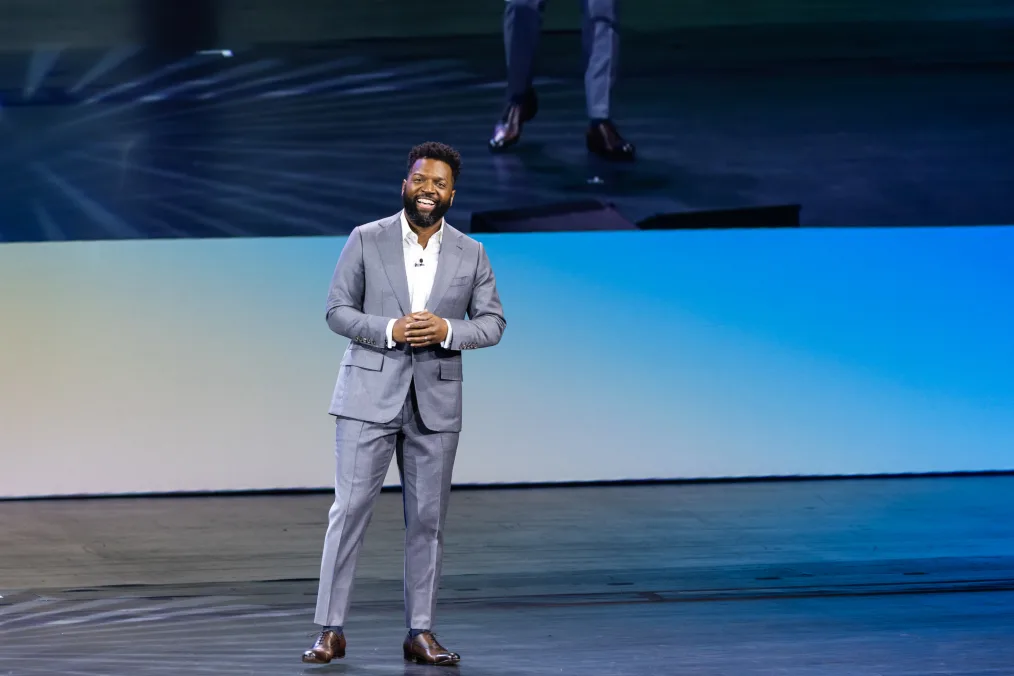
[
  {"x": 508, "y": 129},
  {"x": 605, "y": 141}
]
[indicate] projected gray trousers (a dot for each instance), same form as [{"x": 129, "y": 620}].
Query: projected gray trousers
[{"x": 600, "y": 42}]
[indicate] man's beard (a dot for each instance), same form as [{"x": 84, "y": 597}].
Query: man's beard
[{"x": 420, "y": 219}]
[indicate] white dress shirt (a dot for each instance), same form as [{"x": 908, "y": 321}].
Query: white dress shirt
[{"x": 421, "y": 270}]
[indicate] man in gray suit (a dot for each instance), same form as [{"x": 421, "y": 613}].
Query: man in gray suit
[
  {"x": 522, "y": 24},
  {"x": 400, "y": 292}
]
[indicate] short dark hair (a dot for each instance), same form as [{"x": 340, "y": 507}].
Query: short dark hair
[{"x": 432, "y": 150}]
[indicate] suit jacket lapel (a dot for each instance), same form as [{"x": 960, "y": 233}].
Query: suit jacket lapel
[
  {"x": 392, "y": 253},
  {"x": 447, "y": 265}
]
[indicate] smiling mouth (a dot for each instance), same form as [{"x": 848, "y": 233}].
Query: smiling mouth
[{"x": 425, "y": 204}]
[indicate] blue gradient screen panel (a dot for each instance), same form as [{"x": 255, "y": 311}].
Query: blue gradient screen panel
[{"x": 174, "y": 365}]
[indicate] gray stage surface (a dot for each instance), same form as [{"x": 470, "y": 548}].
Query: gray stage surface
[{"x": 877, "y": 576}]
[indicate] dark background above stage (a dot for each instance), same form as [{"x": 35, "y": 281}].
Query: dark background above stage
[
  {"x": 864, "y": 114},
  {"x": 105, "y": 23}
]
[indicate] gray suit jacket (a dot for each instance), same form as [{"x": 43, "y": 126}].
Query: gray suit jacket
[{"x": 370, "y": 287}]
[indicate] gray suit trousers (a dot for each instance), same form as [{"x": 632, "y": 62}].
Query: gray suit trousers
[
  {"x": 425, "y": 460},
  {"x": 600, "y": 38}
]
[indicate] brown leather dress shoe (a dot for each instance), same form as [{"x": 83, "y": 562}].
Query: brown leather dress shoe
[
  {"x": 329, "y": 646},
  {"x": 425, "y": 649},
  {"x": 508, "y": 129},
  {"x": 605, "y": 141}
]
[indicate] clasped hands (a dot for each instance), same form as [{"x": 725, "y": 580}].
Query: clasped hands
[{"x": 420, "y": 329}]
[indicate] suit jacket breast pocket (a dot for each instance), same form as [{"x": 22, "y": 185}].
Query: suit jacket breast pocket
[{"x": 461, "y": 281}]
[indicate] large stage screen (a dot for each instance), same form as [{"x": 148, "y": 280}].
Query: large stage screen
[{"x": 206, "y": 365}]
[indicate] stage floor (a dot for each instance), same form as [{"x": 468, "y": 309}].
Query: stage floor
[{"x": 906, "y": 576}]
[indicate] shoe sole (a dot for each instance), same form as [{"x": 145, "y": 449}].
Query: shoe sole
[
  {"x": 419, "y": 660},
  {"x": 312, "y": 660}
]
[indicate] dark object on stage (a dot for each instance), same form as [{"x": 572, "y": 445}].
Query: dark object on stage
[
  {"x": 785, "y": 216},
  {"x": 592, "y": 215},
  {"x": 564, "y": 217}
]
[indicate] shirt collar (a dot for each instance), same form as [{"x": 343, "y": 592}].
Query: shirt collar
[{"x": 408, "y": 235}]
